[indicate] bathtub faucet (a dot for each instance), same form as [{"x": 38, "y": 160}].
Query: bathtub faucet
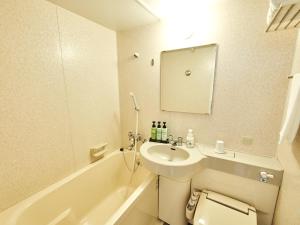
[{"x": 132, "y": 139}]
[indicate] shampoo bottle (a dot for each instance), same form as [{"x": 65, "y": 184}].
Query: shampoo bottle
[
  {"x": 158, "y": 132},
  {"x": 190, "y": 143},
  {"x": 153, "y": 131},
  {"x": 164, "y": 133}
]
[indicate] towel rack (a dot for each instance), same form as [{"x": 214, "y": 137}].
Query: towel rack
[
  {"x": 290, "y": 77},
  {"x": 286, "y": 17}
]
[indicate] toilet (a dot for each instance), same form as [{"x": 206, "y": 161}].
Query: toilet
[{"x": 217, "y": 209}]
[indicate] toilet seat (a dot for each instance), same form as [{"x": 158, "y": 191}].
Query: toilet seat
[{"x": 217, "y": 209}]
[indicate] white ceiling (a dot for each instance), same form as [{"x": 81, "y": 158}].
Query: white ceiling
[{"x": 114, "y": 14}]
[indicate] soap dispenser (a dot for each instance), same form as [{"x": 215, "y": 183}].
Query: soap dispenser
[
  {"x": 164, "y": 133},
  {"x": 153, "y": 132},
  {"x": 190, "y": 142},
  {"x": 158, "y": 132}
]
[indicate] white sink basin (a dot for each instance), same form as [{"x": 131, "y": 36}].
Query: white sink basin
[
  {"x": 165, "y": 153},
  {"x": 179, "y": 163}
]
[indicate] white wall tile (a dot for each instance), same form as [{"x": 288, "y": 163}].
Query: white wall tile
[{"x": 35, "y": 132}]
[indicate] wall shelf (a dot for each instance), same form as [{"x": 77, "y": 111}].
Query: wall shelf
[{"x": 286, "y": 17}]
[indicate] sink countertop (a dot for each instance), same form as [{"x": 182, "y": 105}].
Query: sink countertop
[
  {"x": 242, "y": 164},
  {"x": 271, "y": 163}
]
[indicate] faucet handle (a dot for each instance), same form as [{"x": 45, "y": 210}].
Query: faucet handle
[
  {"x": 138, "y": 137},
  {"x": 173, "y": 143},
  {"x": 170, "y": 138},
  {"x": 179, "y": 141}
]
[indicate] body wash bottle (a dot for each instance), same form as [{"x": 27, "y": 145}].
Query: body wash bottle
[
  {"x": 164, "y": 133},
  {"x": 158, "y": 132},
  {"x": 153, "y": 132}
]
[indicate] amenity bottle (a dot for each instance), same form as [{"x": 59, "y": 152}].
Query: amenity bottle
[
  {"x": 158, "y": 132},
  {"x": 153, "y": 131},
  {"x": 164, "y": 133}
]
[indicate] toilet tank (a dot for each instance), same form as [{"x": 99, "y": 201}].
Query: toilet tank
[{"x": 238, "y": 177}]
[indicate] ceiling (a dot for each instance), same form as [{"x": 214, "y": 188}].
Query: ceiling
[{"x": 113, "y": 14}]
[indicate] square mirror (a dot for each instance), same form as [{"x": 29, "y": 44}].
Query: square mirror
[{"x": 187, "y": 79}]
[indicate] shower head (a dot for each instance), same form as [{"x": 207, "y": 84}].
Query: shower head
[{"x": 136, "y": 107}]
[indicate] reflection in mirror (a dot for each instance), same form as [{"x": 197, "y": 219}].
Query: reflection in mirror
[{"x": 187, "y": 79}]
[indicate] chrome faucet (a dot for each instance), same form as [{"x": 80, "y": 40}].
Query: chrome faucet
[
  {"x": 179, "y": 141},
  {"x": 175, "y": 143},
  {"x": 172, "y": 142},
  {"x": 132, "y": 139}
]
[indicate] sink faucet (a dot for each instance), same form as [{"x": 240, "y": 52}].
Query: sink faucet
[{"x": 173, "y": 143}]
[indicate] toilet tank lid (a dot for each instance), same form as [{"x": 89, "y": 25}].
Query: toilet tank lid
[{"x": 228, "y": 202}]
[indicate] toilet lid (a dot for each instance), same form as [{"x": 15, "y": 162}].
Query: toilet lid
[{"x": 216, "y": 209}]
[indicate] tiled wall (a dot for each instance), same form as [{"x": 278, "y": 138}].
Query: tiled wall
[
  {"x": 250, "y": 83},
  {"x": 58, "y": 95},
  {"x": 287, "y": 211}
]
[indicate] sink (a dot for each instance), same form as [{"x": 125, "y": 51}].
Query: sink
[
  {"x": 179, "y": 163},
  {"x": 165, "y": 153}
]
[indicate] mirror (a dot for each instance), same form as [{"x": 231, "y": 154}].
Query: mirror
[{"x": 187, "y": 79}]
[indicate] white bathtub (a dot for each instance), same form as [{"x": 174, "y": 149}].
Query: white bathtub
[{"x": 95, "y": 195}]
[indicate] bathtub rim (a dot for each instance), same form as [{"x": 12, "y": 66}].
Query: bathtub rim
[
  {"x": 10, "y": 215},
  {"x": 129, "y": 203}
]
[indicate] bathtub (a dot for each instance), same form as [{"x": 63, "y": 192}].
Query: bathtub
[{"x": 99, "y": 194}]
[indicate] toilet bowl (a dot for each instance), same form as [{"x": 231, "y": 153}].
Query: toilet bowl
[{"x": 217, "y": 209}]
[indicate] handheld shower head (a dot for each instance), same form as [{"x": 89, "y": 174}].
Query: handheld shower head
[{"x": 136, "y": 107}]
